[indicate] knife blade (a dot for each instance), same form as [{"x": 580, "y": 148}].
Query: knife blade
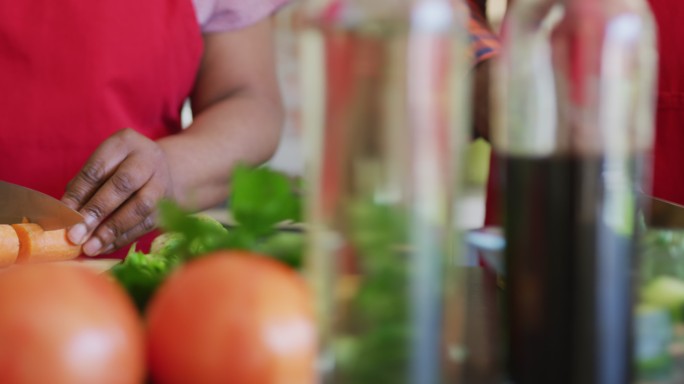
[
  {"x": 17, "y": 202},
  {"x": 663, "y": 214}
]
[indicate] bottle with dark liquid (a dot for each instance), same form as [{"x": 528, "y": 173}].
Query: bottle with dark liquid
[{"x": 573, "y": 137}]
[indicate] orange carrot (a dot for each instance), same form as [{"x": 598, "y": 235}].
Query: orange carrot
[
  {"x": 9, "y": 245},
  {"x": 38, "y": 245}
]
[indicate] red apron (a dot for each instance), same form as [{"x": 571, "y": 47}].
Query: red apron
[
  {"x": 73, "y": 72},
  {"x": 668, "y": 172}
]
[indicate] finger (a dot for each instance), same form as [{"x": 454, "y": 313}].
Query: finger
[
  {"x": 131, "y": 175},
  {"x": 145, "y": 227},
  {"x": 96, "y": 171},
  {"x": 138, "y": 212},
  {"x": 129, "y": 237}
]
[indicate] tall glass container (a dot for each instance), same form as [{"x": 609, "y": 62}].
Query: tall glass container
[
  {"x": 385, "y": 117},
  {"x": 573, "y": 141}
]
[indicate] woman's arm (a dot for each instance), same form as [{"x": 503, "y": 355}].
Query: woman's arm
[{"x": 238, "y": 117}]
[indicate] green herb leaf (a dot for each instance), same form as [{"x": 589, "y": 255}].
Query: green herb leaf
[
  {"x": 377, "y": 332},
  {"x": 287, "y": 247},
  {"x": 196, "y": 235},
  {"x": 141, "y": 274},
  {"x": 262, "y": 198}
]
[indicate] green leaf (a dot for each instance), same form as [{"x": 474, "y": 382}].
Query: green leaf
[
  {"x": 377, "y": 342},
  {"x": 287, "y": 247},
  {"x": 196, "y": 235},
  {"x": 141, "y": 275},
  {"x": 262, "y": 198},
  {"x": 167, "y": 244},
  {"x": 380, "y": 355}
]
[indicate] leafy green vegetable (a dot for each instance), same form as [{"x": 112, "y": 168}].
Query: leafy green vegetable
[
  {"x": 141, "y": 274},
  {"x": 284, "y": 246},
  {"x": 372, "y": 345},
  {"x": 261, "y": 199},
  {"x": 381, "y": 355},
  {"x": 193, "y": 235},
  {"x": 662, "y": 254},
  {"x": 166, "y": 244}
]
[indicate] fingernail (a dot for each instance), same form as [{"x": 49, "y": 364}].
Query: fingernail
[
  {"x": 92, "y": 247},
  {"x": 77, "y": 233},
  {"x": 89, "y": 220}
]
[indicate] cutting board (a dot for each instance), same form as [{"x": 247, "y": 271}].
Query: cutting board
[{"x": 97, "y": 265}]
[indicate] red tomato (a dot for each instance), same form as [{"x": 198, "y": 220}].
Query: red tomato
[
  {"x": 67, "y": 325},
  {"x": 232, "y": 317}
]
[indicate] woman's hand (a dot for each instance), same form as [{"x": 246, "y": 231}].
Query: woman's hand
[
  {"x": 237, "y": 116},
  {"x": 117, "y": 191}
]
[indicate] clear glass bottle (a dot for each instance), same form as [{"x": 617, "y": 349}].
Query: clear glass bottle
[
  {"x": 573, "y": 140},
  {"x": 386, "y": 119}
]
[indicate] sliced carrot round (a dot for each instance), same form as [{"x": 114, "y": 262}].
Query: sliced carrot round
[
  {"x": 9, "y": 245},
  {"x": 38, "y": 245}
]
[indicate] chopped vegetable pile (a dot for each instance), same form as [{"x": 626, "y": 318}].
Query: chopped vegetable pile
[{"x": 261, "y": 200}]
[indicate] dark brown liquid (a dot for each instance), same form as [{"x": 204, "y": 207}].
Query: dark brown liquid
[{"x": 569, "y": 272}]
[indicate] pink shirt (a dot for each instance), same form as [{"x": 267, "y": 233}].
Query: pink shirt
[{"x": 225, "y": 15}]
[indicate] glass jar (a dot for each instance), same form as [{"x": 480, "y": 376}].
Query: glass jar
[
  {"x": 386, "y": 119},
  {"x": 573, "y": 137}
]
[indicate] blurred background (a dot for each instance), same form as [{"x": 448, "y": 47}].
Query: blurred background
[{"x": 289, "y": 157}]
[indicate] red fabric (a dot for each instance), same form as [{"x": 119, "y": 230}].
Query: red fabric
[
  {"x": 668, "y": 164},
  {"x": 669, "y": 142},
  {"x": 74, "y": 72}
]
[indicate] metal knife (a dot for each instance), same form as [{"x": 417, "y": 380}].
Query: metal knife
[
  {"x": 663, "y": 214},
  {"x": 17, "y": 202}
]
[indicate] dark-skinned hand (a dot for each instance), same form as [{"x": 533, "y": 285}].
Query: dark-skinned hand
[{"x": 117, "y": 192}]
